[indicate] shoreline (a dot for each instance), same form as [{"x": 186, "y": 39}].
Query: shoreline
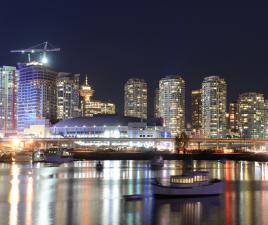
[{"x": 260, "y": 157}]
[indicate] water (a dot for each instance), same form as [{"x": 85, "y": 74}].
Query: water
[{"x": 76, "y": 193}]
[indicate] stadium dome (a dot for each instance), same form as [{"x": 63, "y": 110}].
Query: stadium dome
[{"x": 97, "y": 120}]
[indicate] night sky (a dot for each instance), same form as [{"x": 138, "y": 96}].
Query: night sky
[{"x": 112, "y": 43}]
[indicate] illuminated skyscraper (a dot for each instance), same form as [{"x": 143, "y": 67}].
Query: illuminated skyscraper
[
  {"x": 197, "y": 109},
  {"x": 266, "y": 118},
  {"x": 135, "y": 98},
  {"x": 37, "y": 95},
  {"x": 172, "y": 103},
  {"x": 67, "y": 95},
  {"x": 156, "y": 104},
  {"x": 251, "y": 108},
  {"x": 8, "y": 98},
  {"x": 214, "y": 92},
  {"x": 92, "y": 107},
  {"x": 232, "y": 118}
]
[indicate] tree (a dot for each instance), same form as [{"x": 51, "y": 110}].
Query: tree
[{"x": 181, "y": 142}]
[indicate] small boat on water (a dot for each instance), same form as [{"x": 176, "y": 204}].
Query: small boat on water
[
  {"x": 52, "y": 155},
  {"x": 157, "y": 162},
  {"x": 99, "y": 166},
  {"x": 189, "y": 184},
  {"x": 133, "y": 197},
  {"x": 38, "y": 156}
]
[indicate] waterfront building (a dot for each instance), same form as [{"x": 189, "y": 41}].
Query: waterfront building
[
  {"x": 8, "y": 100},
  {"x": 114, "y": 131},
  {"x": 172, "y": 103},
  {"x": 92, "y": 107},
  {"x": 232, "y": 119},
  {"x": 196, "y": 109},
  {"x": 251, "y": 108},
  {"x": 156, "y": 104},
  {"x": 37, "y": 95},
  {"x": 214, "y": 93},
  {"x": 135, "y": 98}
]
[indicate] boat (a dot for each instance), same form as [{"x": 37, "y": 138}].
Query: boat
[
  {"x": 58, "y": 155},
  {"x": 189, "y": 184},
  {"x": 99, "y": 166},
  {"x": 38, "y": 156},
  {"x": 133, "y": 197},
  {"x": 157, "y": 162}
]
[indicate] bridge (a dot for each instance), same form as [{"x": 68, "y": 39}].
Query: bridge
[{"x": 169, "y": 143}]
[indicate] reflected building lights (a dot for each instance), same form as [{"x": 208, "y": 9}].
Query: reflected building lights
[{"x": 14, "y": 195}]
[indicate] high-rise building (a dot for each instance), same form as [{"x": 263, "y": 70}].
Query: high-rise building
[
  {"x": 214, "y": 91},
  {"x": 156, "y": 104},
  {"x": 172, "y": 103},
  {"x": 92, "y": 107},
  {"x": 86, "y": 93},
  {"x": 197, "y": 109},
  {"x": 99, "y": 107},
  {"x": 37, "y": 95},
  {"x": 67, "y": 95},
  {"x": 135, "y": 98},
  {"x": 8, "y": 98},
  {"x": 232, "y": 118},
  {"x": 251, "y": 108},
  {"x": 266, "y": 118}
]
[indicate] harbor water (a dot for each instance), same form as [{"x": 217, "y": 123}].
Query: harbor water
[{"x": 76, "y": 193}]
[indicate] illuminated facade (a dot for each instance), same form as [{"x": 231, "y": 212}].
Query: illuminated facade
[
  {"x": 93, "y": 107},
  {"x": 172, "y": 103},
  {"x": 214, "y": 93},
  {"x": 67, "y": 95},
  {"x": 135, "y": 99},
  {"x": 8, "y": 100},
  {"x": 266, "y": 118},
  {"x": 37, "y": 95},
  {"x": 232, "y": 118},
  {"x": 98, "y": 107},
  {"x": 156, "y": 104},
  {"x": 196, "y": 109},
  {"x": 251, "y": 108},
  {"x": 109, "y": 126}
]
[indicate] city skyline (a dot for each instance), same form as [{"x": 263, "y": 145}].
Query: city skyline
[{"x": 161, "y": 41}]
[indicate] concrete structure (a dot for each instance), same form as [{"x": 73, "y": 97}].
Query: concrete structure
[
  {"x": 67, "y": 95},
  {"x": 156, "y": 104},
  {"x": 251, "y": 108},
  {"x": 90, "y": 107},
  {"x": 8, "y": 100},
  {"x": 135, "y": 98},
  {"x": 37, "y": 95},
  {"x": 214, "y": 94},
  {"x": 172, "y": 103},
  {"x": 196, "y": 109}
]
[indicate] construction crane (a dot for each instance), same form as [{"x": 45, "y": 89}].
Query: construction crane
[{"x": 42, "y": 48}]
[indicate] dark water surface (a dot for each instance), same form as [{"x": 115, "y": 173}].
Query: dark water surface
[{"x": 76, "y": 193}]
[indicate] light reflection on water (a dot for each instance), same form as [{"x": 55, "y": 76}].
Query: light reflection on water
[{"x": 76, "y": 193}]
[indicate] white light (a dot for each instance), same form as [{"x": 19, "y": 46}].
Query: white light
[{"x": 44, "y": 60}]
